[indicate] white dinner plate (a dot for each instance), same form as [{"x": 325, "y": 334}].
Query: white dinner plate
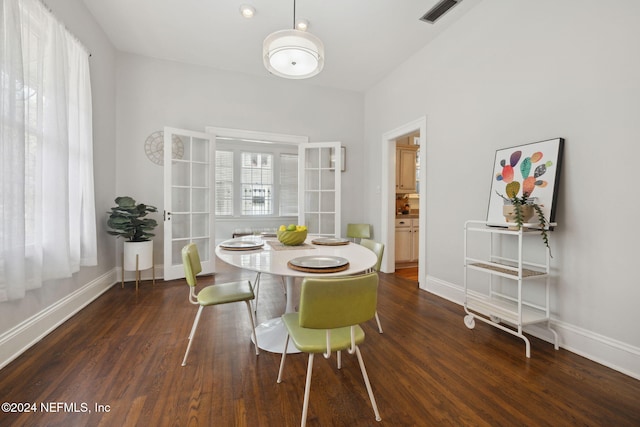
[
  {"x": 330, "y": 241},
  {"x": 241, "y": 244},
  {"x": 319, "y": 261}
]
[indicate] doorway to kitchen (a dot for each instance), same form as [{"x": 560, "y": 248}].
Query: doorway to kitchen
[
  {"x": 407, "y": 205},
  {"x": 410, "y": 243}
]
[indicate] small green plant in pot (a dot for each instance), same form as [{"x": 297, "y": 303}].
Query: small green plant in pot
[
  {"x": 128, "y": 220},
  {"x": 520, "y": 209}
]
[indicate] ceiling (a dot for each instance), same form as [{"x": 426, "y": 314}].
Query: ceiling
[{"x": 364, "y": 39}]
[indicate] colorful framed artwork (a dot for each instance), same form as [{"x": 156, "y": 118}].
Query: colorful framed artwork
[{"x": 535, "y": 170}]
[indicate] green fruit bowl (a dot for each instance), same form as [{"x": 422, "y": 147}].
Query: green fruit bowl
[{"x": 292, "y": 238}]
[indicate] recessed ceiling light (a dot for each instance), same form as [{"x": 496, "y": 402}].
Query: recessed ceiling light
[
  {"x": 302, "y": 24},
  {"x": 247, "y": 11}
]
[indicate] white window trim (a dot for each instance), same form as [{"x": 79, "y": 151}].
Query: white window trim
[{"x": 256, "y": 136}]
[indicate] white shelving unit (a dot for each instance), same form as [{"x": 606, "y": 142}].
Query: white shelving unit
[{"x": 501, "y": 305}]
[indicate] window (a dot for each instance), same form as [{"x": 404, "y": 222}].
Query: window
[
  {"x": 47, "y": 213},
  {"x": 224, "y": 182},
  {"x": 256, "y": 180},
  {"x": 256, "y": 184},
  {"x": 288, "y": 185}
]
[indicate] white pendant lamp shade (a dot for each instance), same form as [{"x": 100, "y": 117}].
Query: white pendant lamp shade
[{"x": 293, "y": 54}]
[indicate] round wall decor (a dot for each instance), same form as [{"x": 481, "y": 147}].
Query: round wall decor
[{"x": 154, "y": 147}]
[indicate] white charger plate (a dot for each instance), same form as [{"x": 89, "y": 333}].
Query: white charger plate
[
  {"x": 319, "y": 261},
  {"x": 330, "y": 241},
  {"x": 241, "y": 244}
]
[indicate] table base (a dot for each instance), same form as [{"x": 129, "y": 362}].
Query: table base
[{"x": 271, "y": 336}]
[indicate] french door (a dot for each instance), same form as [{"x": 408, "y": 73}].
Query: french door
[
  {"x": 319, "y": 166},
  {"x": 189, "y": 188}
]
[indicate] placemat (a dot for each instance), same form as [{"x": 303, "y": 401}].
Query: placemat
[
  {"x": 318, "y": 270},
  {"x": 277, "y": 246}
]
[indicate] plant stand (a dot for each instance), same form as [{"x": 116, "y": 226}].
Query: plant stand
[
  {"x": 143, "y": 252},
  {"x": 137, "y": 270}
]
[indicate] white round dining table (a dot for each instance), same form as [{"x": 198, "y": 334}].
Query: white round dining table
[{"x": 273, "y": 260}]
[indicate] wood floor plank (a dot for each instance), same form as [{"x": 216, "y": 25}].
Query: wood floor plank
[{"x": 124, "y": 352}]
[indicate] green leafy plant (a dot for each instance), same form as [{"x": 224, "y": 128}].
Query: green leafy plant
[
  {"x": 128, "y": 220},
  {"x": 520, "y": 203}
]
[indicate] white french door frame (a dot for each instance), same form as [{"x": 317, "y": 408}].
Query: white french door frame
[
  {"x": 388, "y": 156},
  {"x": 199, "y": 164}
]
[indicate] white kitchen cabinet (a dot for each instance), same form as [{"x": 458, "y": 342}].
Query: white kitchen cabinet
[
  {"x": 406, "y": 168},
  {"x": 407, "y": 240},
  {"x": 507, "y": 300},
  {"x": 415, "y": 240}
]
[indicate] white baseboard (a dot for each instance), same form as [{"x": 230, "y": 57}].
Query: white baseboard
[
  {"x": 18, "y": 339},
  {"x": 614, "y": 354}
]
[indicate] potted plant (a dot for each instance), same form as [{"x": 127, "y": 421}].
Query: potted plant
[
  {"x": 520, "y": 209},
  {"x": 128, "y": 220}
]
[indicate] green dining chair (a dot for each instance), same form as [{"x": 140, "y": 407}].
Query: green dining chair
[
  {"x": 331, "y": 310},
  {"x": 358, "y": 231},
  {"x": 220, "y": 293},
  {"x": 378, "y": 249}
]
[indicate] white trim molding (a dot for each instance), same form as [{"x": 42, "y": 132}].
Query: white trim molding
[
  {"x": 20, "y": 338},
  {"x": 388, "y": 194}
]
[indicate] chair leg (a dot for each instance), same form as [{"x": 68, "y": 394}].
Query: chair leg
[
  {"x": 193, "y": 332},
  {"x": 307, "y": 388},
  {"x": 378, "y": 321},
  {"x": 256, "y": 291},
  {"x": 339, "y": 358},
  {"x": 284, "y": 355},
  {"x": 368, "y": 384},
  {"x": 253, "y": 327}
]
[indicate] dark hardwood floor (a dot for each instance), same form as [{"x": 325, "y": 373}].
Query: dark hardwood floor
[
  {"x": 410, "y": 273},
  {"x": 124, "y": 352}
]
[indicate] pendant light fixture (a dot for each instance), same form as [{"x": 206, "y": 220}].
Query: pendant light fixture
[{"x": 293, "y": 54}]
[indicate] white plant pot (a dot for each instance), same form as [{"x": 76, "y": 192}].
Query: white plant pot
[{"x": 144, "y": 250}]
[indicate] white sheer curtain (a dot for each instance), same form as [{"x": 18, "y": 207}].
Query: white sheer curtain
[{"x": 47, "y": 209}]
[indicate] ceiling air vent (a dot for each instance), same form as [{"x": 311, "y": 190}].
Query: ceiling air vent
[{"x": 438, "y": 10}]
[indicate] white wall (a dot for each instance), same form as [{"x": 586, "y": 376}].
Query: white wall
[
  {"x": 154, "y": 93},
  {"x": 512, "y": 72},
  {"x": 24, "y": 321}
]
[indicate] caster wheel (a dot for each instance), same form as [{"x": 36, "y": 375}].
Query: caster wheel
[
  {"x": 469, "y": 321},
  {"x": 495, "y": 319}
]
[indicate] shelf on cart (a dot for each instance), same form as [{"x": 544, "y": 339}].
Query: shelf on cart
[
  {"x": 503, "y": 268},
  {"x": 505, "y": 310}
]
